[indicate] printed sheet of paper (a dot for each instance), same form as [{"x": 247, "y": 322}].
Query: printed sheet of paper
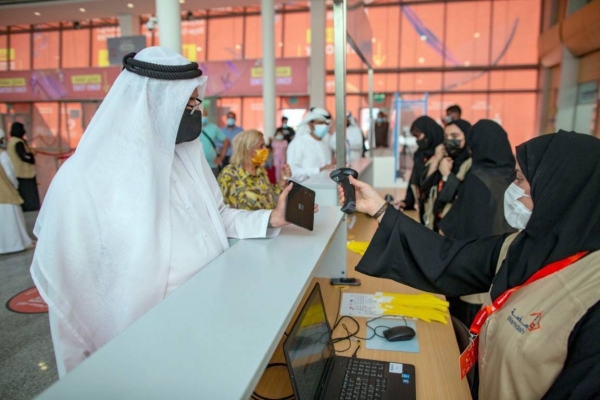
[{"x": 360, "y": 305}]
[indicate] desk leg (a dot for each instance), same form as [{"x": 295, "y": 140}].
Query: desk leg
[{"x": 333, "y": 263}]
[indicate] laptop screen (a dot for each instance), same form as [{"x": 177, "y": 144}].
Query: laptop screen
[{"x": 308, "y": 347}]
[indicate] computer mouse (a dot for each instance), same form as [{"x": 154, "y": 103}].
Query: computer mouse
[{"x": 399, "y": 333}]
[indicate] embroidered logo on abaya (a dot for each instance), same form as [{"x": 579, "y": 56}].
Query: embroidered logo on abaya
[
  {"x": 535, "y": 324},
  {"x": 521, "y": 325}
]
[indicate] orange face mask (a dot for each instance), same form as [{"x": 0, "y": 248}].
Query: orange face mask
[{"x": 261, "y": 157}]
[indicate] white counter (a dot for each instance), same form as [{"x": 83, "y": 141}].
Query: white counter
[{"x": 213, "y": 337}]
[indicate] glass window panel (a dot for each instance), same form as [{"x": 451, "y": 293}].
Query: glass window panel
[
  {"x": 253, "y": 37},
  {"x": 386, "y": 30},
  {"x": 76, "y": 48},
  {"x": 45, "y": 50},
  {"x": 193, "y": 39},
  {"x": 419, "y": 50},
  {"x": 514, "y": 80},
  {"x": 253, "y": 114},
  {"x": 21, "y": 43},
  {"x": 420, "y": 81},
  {"x": 352, "y": 83},
  {"x": 45, "y": 137},
  {"x": 516, "y": 112},
  {"x": 296, "y": 35},
  {"x": 99, "y": 46},
  {"x": 522, "y": 16},
  {"x": 381, "y": 82},
  {"x": 465, "y": 80},
  {"x": 474, "y": 106},
  {"x": 468, "y": 33},
  {"x": 4, "y": 53},
  {"x": 225, "y": 38}
]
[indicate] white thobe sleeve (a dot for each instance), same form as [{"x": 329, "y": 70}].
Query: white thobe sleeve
[
  {"x": 241, "y": 224},
  {"x": 6, "y": 164},
  {"x": 298, "y": 161}
]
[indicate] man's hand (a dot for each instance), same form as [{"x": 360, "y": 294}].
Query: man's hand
[
  {"x": 277, "y": 218},
  {"x": 328, "y": 166},
  {"x": 218, "y": 160},
  {"x": 368, "y": 201}
]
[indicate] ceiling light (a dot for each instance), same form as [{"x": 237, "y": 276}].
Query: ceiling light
[
  {"x": 373, "y": 40},
  {"x": 199, "y": 48},
  {"x": 181, "y": 1},
  {"x": 82, "y": 9},
  {"x": 476, "y": 35},
  {"x": 421, "y": 60},
  {"x": 467, "y": 63},
  {"x": 130, "y": 5},
  {"x": 37, "y": 14},
  {"x": 423, "y": 37},
  {"x": 237, "y": 46},
  {"x": 280, "y": 44}
]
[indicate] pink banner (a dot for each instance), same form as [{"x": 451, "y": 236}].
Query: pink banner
[
  {"x": 225, "y": 78},
  {"x": 244, "y": 77}
]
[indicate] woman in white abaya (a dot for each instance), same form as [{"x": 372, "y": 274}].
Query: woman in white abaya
[{"x": 13, "y": 235}]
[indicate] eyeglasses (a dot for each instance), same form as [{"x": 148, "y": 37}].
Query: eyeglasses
[{"x": 194, "y": 107}]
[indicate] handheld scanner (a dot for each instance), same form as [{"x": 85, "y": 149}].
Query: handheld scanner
[{"x": 342, "y": 177}]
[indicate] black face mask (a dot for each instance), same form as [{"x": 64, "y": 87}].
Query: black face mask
[
  {"x": 190, "y": 127},
  {"x": 423, "y": 143},
  {"x": 452, "y": 147}
]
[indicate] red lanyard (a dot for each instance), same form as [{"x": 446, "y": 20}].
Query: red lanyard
[{"x": 486, "y": 311}]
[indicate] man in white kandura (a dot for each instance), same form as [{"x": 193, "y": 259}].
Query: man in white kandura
[
  {"x": 136, "y": 211},
  {"x": 308, "y": 154}
]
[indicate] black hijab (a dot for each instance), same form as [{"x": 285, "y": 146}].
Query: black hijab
[
  {"x": 564, "y": 174},
  {"x": 478, "y": 210},
  {"x": 435, "y": 136},
  {"x": 17, "y": 129},
  {"x": 464, "y": 154}
]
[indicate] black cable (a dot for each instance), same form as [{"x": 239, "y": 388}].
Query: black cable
[
  {"x": 257, "y": 396},
  {"x": 157, "y": 71}
]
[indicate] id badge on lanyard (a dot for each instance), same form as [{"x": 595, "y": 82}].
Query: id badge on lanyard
[{"x": 469, "y": 357}]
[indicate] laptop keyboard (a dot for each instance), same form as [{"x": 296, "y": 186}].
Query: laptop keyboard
[{"x": 364, "y": 380}]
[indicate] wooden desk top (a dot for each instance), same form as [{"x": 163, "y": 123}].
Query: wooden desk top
[{"x": 437, "y": 372}]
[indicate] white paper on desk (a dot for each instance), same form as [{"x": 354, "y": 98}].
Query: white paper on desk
[{"x": 360, "y": 305}]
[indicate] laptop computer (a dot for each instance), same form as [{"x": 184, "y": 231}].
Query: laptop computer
[{"x": 317, "y": 373}]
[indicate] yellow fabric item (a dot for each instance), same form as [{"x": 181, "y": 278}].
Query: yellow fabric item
[
  {"x": 358, "y": 247},
  {"x": 425, "y": 306},
  {"x": 262, "y": 155}
]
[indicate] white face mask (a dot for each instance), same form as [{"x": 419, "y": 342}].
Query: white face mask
[
  {"x": 515, "y": 212},
  {"x": 321, "y": 130}
]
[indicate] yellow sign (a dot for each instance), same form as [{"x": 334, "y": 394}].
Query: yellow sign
[
  {"x": 190, "y": 51},
  {"x": 11, "y": 82},
  {"x": 4, "y": 52},
  {"x": 103, "y": 58},
  {"x": 85, "y": 79},
  {"x": 280, "y": 72}
]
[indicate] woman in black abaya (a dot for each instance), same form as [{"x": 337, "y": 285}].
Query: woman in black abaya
[
  {"x": 429, "y": 135},
  {"x": 478, "y": 210},
  {"x": 23, "y": 161},
  {"x": 556, "y": 204}
]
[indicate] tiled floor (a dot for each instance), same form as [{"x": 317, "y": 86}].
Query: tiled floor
[{"x": 27, "y": 365}]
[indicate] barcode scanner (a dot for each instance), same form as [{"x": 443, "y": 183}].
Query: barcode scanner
[{"x": 342, "y": 177}]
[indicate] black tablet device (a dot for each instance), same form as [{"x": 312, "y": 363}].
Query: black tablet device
[{"x": 300, "y": 206}]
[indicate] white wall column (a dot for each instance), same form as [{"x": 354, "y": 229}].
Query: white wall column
[
  {"x": 567, "y": 91},
  {"x": 268, "y": 44},
  {"x": 169, "y": 23},
  {"x": 129, "y": 24},
  {"x": 317, "y": 54}
]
